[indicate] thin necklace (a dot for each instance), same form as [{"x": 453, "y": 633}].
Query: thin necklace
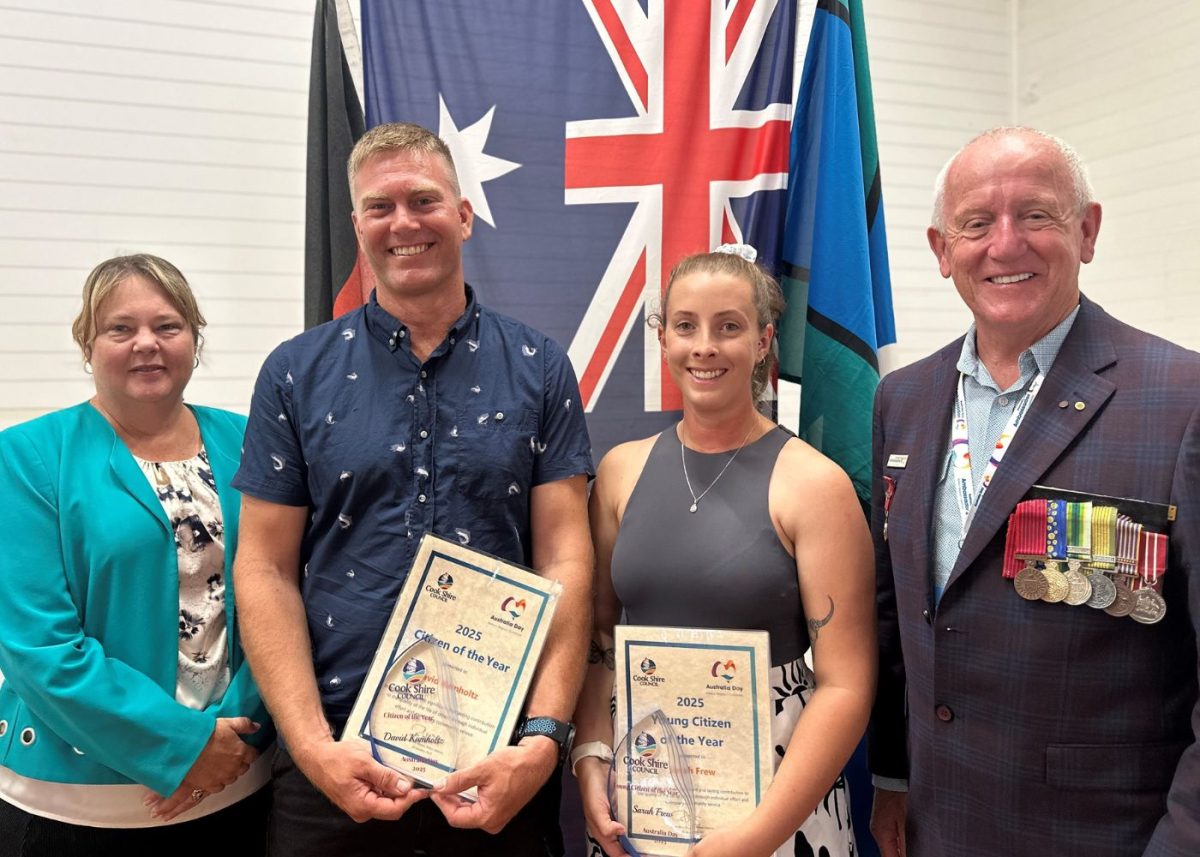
[{"x": 696, "y": 498}]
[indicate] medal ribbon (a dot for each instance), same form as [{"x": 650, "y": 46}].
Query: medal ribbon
[
  {"x": 1026, "y": 536},
  {"x": 1152, "y": 557},
  {"x": 1104, "y": 537},
  {"x": 1056, "y": 529},
  {"x": 1079, "y": 531},
  {"x": 969, "y": 498},
  {"x": 1129, "y": 534}
]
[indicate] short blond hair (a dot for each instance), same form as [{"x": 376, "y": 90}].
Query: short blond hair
[
  {"x": 109, "y": 274},
  {"x": 399, "y": 137}
]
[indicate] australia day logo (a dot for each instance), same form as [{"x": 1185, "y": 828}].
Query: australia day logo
[
  {"x": 648, "y": 666},
  {"x": 413, "y": 671},
  {"x": 724, "y": 669},
  {"x": 513, "y": 607},
  {"x": 645, "y": 745}
]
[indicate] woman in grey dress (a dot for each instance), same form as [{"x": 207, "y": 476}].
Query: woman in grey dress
[{"x": 726, "y": 520}]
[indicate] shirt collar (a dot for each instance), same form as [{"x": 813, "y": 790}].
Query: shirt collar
[
  {"x": 392, "y": 332},
  {"x": 1037, "y": 358}
]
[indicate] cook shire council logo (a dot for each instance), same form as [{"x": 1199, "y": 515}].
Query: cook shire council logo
[
  {"x": 413, "y": 671},
  {"x": 726, "y": 670},
  {"x": 648, "y": 666},
  {"x": 445, "y": 581},
  {"x": 645, "y": 745}
]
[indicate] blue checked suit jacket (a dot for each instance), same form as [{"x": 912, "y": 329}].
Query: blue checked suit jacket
[{"x": 1027, "y": 728}]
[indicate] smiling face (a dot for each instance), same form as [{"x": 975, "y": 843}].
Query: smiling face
[
  {"x": 1014, "y": 237},
  {"x": 711, "y": 338},
  {"x": 144, "y": 350},
  {"x": 411, "y": 225}
]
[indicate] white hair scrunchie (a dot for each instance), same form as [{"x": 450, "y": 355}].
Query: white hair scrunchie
[{"x": 744, "y": 250}]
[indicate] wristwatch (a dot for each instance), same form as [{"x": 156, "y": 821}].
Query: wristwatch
[{"x": 559, "y": 731}]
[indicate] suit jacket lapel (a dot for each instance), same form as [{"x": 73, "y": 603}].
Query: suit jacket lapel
[
  {"x": 1049, "y": 428},
  {"x": 934, "y": 435},
  {"x": 218, "y": 437},
  {"x": 120, "y": 459}
]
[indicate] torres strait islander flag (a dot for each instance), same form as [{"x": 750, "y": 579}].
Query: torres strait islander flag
[{"x": 599, "y": 141}]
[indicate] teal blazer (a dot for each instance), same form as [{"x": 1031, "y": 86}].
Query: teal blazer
[{"x": 89, "y": 607}]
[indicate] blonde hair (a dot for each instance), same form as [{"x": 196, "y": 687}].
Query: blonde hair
[
  {"x": 399, "y": 137},
  {"x": 765, "y": 293},
  {"x": 109, "y": 274}
]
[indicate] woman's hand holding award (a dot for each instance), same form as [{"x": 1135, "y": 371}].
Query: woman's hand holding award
[{"x": 451, "y": 672}]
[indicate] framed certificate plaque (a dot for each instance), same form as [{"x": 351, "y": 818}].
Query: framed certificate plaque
[
  {"x": 696, "y": 700},
  {"x": 452, "y": 669}
]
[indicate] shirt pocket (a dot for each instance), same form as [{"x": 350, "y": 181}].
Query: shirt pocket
[{"x": 494, "y": 452}]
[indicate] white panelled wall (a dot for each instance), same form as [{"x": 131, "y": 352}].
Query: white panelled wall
[
  {"x": 178, "y": 127},
  {"x": 173, "y": 127},
  {"x": 1121, "y": 82},
  {"x": 941, "y": 73}
]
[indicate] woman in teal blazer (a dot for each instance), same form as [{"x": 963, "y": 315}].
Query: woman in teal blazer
[{"x": 128, "y": 716}]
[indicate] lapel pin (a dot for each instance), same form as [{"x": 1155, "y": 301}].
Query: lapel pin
[
  {"x": 1079, "y": 406},
  {"x": 1063, "y": 403}
]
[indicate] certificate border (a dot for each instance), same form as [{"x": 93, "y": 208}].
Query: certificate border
[
  {"x": 434, "y": 554},
  {"x": 663, "y": 644}
]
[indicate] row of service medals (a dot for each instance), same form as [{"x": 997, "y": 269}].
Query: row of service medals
[{"x": 1086, "y": 554}]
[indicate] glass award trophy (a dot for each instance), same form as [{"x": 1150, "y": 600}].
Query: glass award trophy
[
  {"x": 650, "y": 790},
  {"x": 412, "y": 723}
]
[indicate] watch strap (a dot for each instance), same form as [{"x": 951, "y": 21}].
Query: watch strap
[{"x": 559, "y": 731}]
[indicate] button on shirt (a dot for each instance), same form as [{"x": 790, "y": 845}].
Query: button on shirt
[
  {"x": 988, "y": 411},
  {"x": 383, "y": 448}
]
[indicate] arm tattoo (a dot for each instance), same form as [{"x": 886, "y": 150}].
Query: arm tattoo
[
  {"x": 815, "y": 625},
  {"x": 598, "y": 655}
]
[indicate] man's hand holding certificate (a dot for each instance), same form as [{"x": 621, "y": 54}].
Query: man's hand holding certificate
[{"x": 451, "y": 672}]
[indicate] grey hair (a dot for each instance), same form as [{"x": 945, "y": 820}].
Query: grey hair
[{"x": 1081, "y": 184}]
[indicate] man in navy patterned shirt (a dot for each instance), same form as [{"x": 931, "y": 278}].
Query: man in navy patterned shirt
[{"x": 421, "y": 411}]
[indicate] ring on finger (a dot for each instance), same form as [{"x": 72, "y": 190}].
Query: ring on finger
[{"x": 198, "y": 795}]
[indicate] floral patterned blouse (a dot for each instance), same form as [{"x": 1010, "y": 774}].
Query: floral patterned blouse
[{"x": 189, "y": 497}]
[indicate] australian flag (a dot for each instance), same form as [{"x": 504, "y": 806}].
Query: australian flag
[{"x": 599, "y": 141}]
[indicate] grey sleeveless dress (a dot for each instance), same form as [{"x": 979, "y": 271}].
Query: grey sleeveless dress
[{"x": 723, "y": 566}]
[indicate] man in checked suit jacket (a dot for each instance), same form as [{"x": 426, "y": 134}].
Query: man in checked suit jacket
[{"x": 1024, "y": 727}]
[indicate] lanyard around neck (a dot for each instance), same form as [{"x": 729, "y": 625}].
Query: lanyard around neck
[{"x": 968, "y": 497}]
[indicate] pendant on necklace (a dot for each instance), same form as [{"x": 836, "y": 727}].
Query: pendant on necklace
[{"x": 693, "y": 508}]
